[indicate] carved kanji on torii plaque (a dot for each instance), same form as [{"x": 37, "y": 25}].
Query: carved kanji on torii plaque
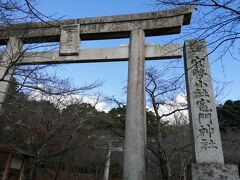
[{"x": 70, "y": 40}]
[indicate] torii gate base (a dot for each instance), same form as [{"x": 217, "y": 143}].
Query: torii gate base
[{"x": 213, "y": 172}]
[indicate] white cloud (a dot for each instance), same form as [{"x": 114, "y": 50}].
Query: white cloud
[
  {"x": 61, "y": 101},
  {"x": 179, "y": 103}
]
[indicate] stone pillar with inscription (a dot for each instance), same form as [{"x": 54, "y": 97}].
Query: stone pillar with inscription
[{"x": 208, "y": 160}]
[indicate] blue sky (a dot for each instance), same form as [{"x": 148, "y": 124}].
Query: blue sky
[{"x": 114, "y": 75}]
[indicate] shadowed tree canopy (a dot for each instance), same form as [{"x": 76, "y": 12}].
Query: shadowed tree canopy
[{"x": 228, "y": 115}]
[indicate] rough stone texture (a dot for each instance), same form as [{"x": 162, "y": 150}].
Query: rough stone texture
[
  {"x": 207, "y": 146},
  {"x": 7, "y": 64},
  {"x": 70, "y": 40},
  {"x": 101, "y": 55},
  {"x": 172, "y": 51},
  {"x": 213, "y": 172},
  {"x": 154, "y": 23},
  {"x": 135, "y": 133}
]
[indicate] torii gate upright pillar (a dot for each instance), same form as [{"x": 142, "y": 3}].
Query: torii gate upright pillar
[
  {"x": 135, "y": 132},
  {"x": 8, "y": 61}
]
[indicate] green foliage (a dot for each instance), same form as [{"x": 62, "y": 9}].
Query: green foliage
[
  {"x": 117, "y": 117},
  {"x": 229, "y": 114},
  {"x": 86, "y": 115}
]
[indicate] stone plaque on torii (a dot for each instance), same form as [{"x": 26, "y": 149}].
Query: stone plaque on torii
[{"x": 70, "y": 32}]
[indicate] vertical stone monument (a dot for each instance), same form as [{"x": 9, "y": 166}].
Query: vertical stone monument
[{"x": 208, "y": 160}]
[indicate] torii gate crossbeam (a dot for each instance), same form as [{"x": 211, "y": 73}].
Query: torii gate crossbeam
[{"x": 108, "y": 27}]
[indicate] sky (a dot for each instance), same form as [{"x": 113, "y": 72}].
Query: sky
[{"x": 114, "y": 74}]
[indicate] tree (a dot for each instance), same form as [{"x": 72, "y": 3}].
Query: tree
[
  {"x": 42, "y": 127},
  {"x": 26, "y": 77},
  {"x": 16, "y": 11},
  {"x": 164, "y": 115},
  {"x": 228, "y": 115},
  {"x": 31, "y": 80},
  {"x": 162, "y": 92},
  {"x": 216, "y": 21}
]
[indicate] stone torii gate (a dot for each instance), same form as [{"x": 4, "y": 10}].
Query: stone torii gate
[
  {"x": 70, "y": 32},
  {"x": 136, "y": 26}
]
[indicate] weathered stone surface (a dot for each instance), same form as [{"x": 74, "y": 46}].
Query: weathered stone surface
[
  {"x": 213, "y": 172},
  {"x": 7, "y": 65},
  {"x": 207, "y": 146},
  {"x": 172, "y": 51},
  {"x": 101, "y": 55},
  {"x": 135, "y": 132},
  {"x": 154, "y": 23},
  {"x": 70, "y": 40}
]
